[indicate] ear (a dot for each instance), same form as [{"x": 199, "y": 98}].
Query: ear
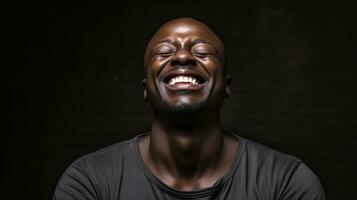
[
  {"x": 144, "y": 87},
  {"x": 228, "y": 86}
]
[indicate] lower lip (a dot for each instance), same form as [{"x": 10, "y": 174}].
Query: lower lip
[{"x": 184, "y": 86}]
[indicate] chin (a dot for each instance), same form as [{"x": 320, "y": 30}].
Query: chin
[{"x": 186, "y": 109}]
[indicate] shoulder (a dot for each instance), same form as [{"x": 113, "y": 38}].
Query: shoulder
[
  {"x": 286, "y": 175},
  {"x": 107, "y": 156},
  {"x": 303, "y": 184},
  {"x": 268, "y": 157},
  {"x": 91, "y": 175}
]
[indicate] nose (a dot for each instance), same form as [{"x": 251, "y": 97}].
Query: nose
[{"x": 183, "y": 57}]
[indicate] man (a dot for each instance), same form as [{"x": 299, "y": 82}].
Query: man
[{"x": 186, "y": 155}]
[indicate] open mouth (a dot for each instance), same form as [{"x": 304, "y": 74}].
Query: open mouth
[
  {"x": 177, "y": 82},
  {"x": 184, "y": 79},
  {"x": 184, "y": 82}
]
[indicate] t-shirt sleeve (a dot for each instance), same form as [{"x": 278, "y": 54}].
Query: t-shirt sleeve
[
  {"x": 76, "y": 184},
  {"x": 303, "y": 185}
]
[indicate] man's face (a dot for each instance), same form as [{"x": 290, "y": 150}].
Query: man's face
[{"x": 185, "y": 68}]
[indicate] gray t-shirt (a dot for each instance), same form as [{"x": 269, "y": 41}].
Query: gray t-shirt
[{"x": 118, "y": 172}]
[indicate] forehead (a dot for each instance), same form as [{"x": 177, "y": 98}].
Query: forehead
[{"x": 185, "y": 29}]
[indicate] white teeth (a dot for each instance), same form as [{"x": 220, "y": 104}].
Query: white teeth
[{"x": 183, "y": 79}]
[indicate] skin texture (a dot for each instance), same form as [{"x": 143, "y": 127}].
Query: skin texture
[{"x": 186, "y": 148}]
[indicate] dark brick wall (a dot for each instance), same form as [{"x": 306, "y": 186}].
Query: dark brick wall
[{"x": 75, "y": 70}]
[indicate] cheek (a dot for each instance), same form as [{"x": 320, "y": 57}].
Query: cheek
[
  {"x": 214, "y": 69},
  {"x": 157, "y": 66},
  {"x": 151, "y": 80}
]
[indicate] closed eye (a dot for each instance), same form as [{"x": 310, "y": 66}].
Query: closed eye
[
  {"x": 201, "y": 54},
  {"x": 202, "y": 50},
  {"x": 164, "y": 53}
]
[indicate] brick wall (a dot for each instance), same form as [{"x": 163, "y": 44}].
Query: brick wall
[{"x": 75, "y": 82}]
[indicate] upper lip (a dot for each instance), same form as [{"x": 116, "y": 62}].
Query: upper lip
[{"x": 184, "y": 72}]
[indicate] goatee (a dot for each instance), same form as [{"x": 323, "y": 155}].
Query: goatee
[{"x": 186, "y": 109}]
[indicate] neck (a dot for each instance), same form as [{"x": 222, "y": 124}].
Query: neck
[{"x": 186, "y": 146}]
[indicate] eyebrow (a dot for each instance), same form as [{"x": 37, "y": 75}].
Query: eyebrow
[
  {"x": 194, "y": 42},
  {"x": 197, "y": 41},
  {"x": 166, "y": 41}
]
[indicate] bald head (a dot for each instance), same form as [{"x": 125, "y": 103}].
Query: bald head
[
  {"x": 185, "y": 69},
  {"x": 182, "y": 30}
]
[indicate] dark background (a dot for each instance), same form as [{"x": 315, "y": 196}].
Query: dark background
[{"x": 73, "y": 73}]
